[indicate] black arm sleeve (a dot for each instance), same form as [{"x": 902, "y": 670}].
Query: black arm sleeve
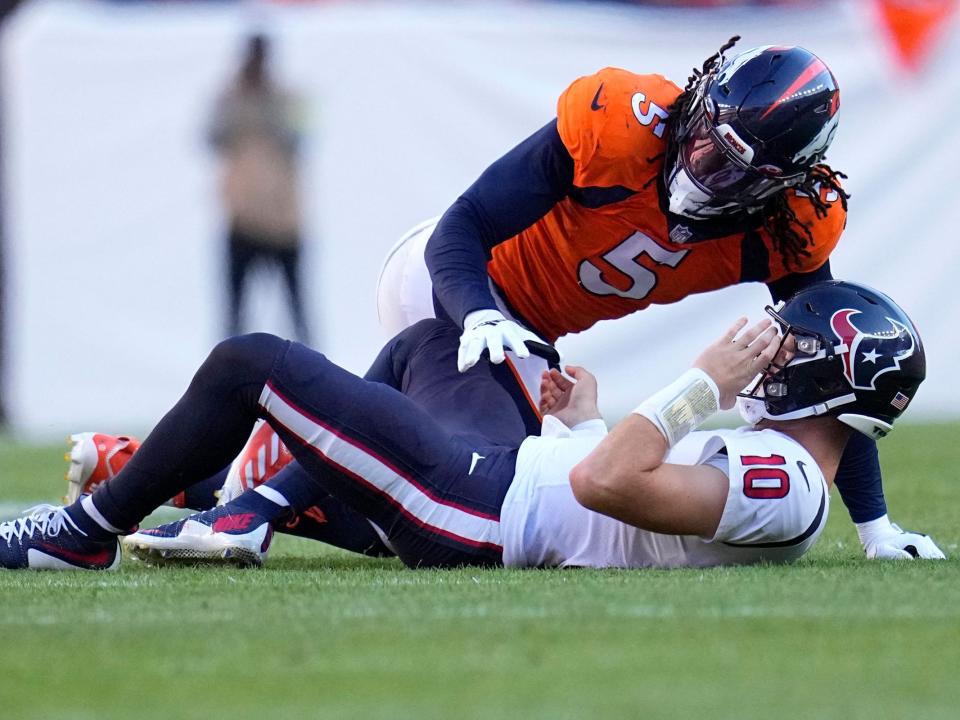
[
  {"x": 858, "y": 477},
  {"x": 510, "y": 195}
]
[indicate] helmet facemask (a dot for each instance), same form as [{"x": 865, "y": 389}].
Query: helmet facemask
[{"x": 814, "y": 372}]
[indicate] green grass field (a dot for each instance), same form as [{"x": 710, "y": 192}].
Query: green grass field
[{"x": 320, "y": 634}]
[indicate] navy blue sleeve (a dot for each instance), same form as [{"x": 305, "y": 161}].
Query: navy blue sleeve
[
  {"x": 510, "y": 195},
  {"x": 858, "y": 477},
  {"x": 786, "y": 286}
]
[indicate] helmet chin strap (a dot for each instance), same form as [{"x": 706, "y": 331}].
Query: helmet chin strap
[
  {"x": 754, "y": 409},
  {"x": 751, "y": 409}
]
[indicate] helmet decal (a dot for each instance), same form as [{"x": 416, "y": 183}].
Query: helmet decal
[
  {"x": 736, "y": 143},
  {"x": 819, "y": 144},
  {"x": 737, "y": 62},
  {"x": 870, "y": 355},
  {"x": 812, "y": 70}
]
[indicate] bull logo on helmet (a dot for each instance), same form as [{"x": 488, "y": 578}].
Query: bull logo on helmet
[{"x": 870, "y": 355}]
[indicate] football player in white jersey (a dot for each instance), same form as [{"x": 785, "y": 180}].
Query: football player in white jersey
[{"x": 649, "y": 495}]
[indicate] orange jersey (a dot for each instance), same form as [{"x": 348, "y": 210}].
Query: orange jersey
[{"x": 605, "y": 250}]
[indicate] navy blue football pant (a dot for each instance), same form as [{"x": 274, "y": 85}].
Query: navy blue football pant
[
  {"x": 421, "y": 363},
  {"x": 426, "y": 453}
]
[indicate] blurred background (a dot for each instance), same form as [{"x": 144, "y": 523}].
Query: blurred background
[{"x": 172, "y": 172}]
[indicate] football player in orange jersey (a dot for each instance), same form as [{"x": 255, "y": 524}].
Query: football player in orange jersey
[{"x": 638, "y": 193}]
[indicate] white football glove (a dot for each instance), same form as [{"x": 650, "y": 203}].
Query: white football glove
[
  {"x": 491, "y": 330},
  {"x": 883, "y": 540}
]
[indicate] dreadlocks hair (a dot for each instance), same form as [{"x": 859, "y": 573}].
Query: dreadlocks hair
[
  {"x": 791, "y": 236},
  {"x": 679, "y": 107}
]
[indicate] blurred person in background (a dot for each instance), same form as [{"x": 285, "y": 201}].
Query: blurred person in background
[{"x": 256, "y": 129}]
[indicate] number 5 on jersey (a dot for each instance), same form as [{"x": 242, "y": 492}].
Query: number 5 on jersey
[
  {"x": 625, "y": 258},
  {"x": 651, "y": 115}
]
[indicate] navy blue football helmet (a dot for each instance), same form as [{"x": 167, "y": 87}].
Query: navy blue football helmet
[
  {"x": 858, "y": 358},
  {"x": 755, "y": 126}
]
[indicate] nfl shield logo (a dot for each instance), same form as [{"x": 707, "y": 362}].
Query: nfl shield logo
[{"x": 679, "y": 234}]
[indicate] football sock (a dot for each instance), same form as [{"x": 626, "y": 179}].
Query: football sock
[
  {"x": 273, "y": 495},
  {"x": 271, "y": 505},
  {"x": 91, "y": 522},
  {"x": 320, "y": 516},
  {"x": 294, "y": 485}
]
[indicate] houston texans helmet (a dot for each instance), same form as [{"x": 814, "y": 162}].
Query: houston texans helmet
[
  {"x": 754, "y": 126},
  {"x": 858, "y": 357}
]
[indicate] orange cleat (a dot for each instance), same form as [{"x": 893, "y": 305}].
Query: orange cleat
[
  {"x": 94, "y": 458},
  {"x": 262, "y": 457}
]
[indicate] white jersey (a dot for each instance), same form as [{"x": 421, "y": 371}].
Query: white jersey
[{"x": 776, "y": 506}]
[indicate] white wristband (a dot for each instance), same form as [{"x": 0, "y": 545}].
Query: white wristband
[{"x": 682, "y": 405}]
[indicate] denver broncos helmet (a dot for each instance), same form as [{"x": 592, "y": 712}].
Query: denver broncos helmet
[
  {"x": 858, "y": 357},
  {"x": 754, "y": 126}
]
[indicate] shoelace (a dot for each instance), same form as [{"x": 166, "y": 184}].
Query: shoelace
[{"x": 49, "y": 520}]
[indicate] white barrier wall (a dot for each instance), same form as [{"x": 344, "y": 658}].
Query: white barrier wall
[{"x": 114, "y": 252}]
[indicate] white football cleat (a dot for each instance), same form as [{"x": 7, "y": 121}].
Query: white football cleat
[{"x": 217, "y": 535}]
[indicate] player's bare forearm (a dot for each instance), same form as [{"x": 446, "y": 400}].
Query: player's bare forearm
[
  {"x": 625, "y": 477},
  {"x": 621, "y": 463}
]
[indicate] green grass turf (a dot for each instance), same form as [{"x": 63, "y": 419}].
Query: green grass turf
[{"x": 320, "y": 634}]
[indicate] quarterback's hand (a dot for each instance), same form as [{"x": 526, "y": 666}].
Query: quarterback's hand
[
  {"x": 738, "y": 357},
  {"x": 883, "y": 540},
  {"x": 491, "y": 330},
  {"x": 570, "y": 402}
]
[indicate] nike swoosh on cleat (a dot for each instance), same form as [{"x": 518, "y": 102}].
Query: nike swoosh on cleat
[
  {"x": 596, "y": 105},
  {"x": 75, "y": 559}
]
